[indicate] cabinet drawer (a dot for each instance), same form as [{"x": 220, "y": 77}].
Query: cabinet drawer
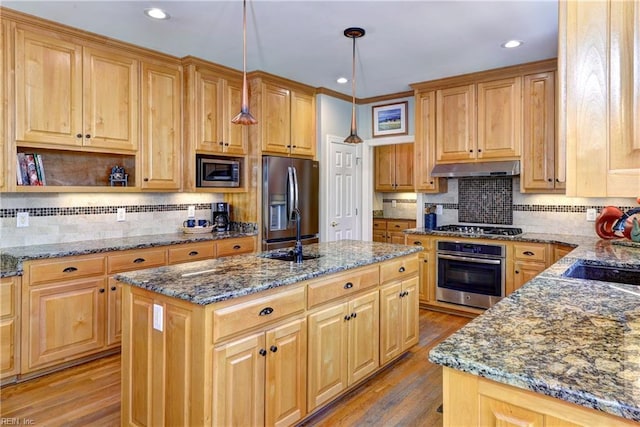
[
  {"x": 65, "y": 269},
  {"x": 341, "y": 285},
  {"x": 399, "y": 225},
  {"x": 7, "y": 297},
  {"x": 245, "y": 316},
  {"x": 424, "y": 241},
  {"x": 379, "y": 225},
  {"x": 136, "y": 260},
  {"x": 530, "y": 252},
  {"x": 399, "y": 268},
  {"x": 191, "y": 252},
  {"x": 243, "y": 245}
]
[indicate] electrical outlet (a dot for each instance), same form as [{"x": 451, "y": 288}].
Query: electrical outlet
[
  {"x": 191, "y": 211},
  {"x": 158, "y": 317},
  {"x": 121, "y": 215},
  {"x": 22, "y": 219},
  {"x": 438, "y": 209},
  {"x": 591, "y": 215}
]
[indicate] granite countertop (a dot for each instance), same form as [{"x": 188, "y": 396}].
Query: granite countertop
[
  {"x": 572, "y": 339},
  {"x": 11, "y": 259},
  {"x": 210, "y": 281}
]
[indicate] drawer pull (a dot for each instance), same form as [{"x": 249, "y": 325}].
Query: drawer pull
[
  {"x": 401, "y": 269},
  {"x": 417, "y": 242},
  {"x": 263, "y": 352},
  {"x": 138, "y": 260},
  {"x": 236, "y": 247},
  {"x": 347, "y": 317},
  {"x": 517, "y": 272},
  {"x": 193, "y": 253},
  {"x": 348, "y": 285},
  {"x": 528, "y": 253},
  {"x": 102, "y": 290},
  {"x": 265, "y": 311},
  {"x": 69, "y": 270},
  {"x": 273, "y": 348},
  {"x": 113, "y": 288},
  {"x": 354, "y": 315},
  {"x": 397, "y": 226}
]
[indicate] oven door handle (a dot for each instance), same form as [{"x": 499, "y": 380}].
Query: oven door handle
[{"x": 469, "y": 259}]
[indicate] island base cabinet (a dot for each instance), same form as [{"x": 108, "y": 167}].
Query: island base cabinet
[
  {"x": 261, "y": 379},
  {"x": 398, "y": 318},
  {"x": 469, "y": 400}
]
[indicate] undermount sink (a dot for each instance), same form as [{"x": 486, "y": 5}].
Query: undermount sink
[
  {"x": 603, "y": 273},
  {"x": 287, "y": 256}
]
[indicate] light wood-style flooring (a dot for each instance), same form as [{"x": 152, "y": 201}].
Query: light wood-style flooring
[{"x": 406, "y": 394}]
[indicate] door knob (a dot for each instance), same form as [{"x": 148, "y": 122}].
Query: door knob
[{"x": 334, "y": 224}]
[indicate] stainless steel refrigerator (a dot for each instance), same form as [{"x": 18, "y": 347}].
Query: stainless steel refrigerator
[{"x": 287, "y": 184}]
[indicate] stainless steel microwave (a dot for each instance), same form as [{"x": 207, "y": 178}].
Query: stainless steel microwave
[{"x": 217, "y": 172}]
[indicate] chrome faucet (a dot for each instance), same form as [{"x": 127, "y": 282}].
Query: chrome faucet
[{"x": 297, "y": 250}]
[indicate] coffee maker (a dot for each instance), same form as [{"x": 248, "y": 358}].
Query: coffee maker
[{"x": 220, "y": 216}]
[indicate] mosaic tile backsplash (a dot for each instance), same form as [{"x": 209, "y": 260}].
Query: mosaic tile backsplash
[{"x": 485, "y": 200}]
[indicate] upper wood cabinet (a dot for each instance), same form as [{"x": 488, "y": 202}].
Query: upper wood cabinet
[
  {"x": 69, "y": 94},
  {"x": 542, "y": 161},
  {"x": 455, "y": 124},
  {"x": 286, "y": 114},
  {"x": 394, "y": 167},
  {"x": 424, "y": 153},
  {"x": 161, "y": 95},
  {"x": 599, "y": 109},
  {"x": 4, "y": 113}
]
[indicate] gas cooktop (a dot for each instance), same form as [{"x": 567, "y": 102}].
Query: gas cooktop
[{"x": 481, "y": 229}]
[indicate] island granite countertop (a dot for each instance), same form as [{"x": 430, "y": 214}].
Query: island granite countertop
[
  {"x": 572, "y": 339},
  {"x": 11, "y": 259},
  {"x": 210, "y": 281}
]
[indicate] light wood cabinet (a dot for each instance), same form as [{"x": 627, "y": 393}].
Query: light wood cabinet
[
  {"x": 72, "y": 95},
  {"x": 483, "y": 402},
  {"x": 455, "y": 124},
  {"x": 599, "y": 77},
  {"x": 343, "y": 347},
  {"x": 398, "y": 318},
  {"x": 391, "y": 230},
  {"x": 286, "y": 114},
  {"x": 9, "y": 327},
  {"x": 4, "y": 114},
  {"x": 560, "y": 251},
  {"x": 424, "y": 156},
  {"x": 191, "y": 252},
  {"x": 237, "y": 246},
  {"x": 261, "y": 379},
  {"x": 427, "y": 269},
  {"x": 394, "y": 167},
  {"x": 161, "y": 122},
  {"x": 542, "y": 159},
  {"x": 529, "y": 260}
]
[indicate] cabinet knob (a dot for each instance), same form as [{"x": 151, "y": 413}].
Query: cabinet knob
[
  {"x": 69, "y": 270},
  {"x": 221, "y": 143},
  {"x": 263, "y": 352},
  {"x": 193, "y": 253},
  {"x": 295, "y": 146},
  {"x": 113, "y": 288},
  {"x": 102, "y": 290},
  {"x": 426, "y": 261},
  {"x": 401, "y": 270},
  {"x": 431, "y": 182},
  {"x": 273, "y": 348},
  {"x": 146, "y": 180},
  {"x": 79, "y": 135},
  {"x": 265, "y": 311},
  {"x": 354, "y": 315},
  {"x": 471, "y": 151},
  {"x": 549, "y": 180},
  {"x": 557, "y": 180},
  {"x": 479, "y": 150},
  {"x": 226, "y": 144},
  {"x": 138, "y": 260},
  {"x": 517, "y": 272},
  {"x": 88, "y": 136},
  {"x": 236, "y": 247},
  {"x": 417, "y": 242},
  {"x": 347, "y": 317},
  {"x": 348, "y": 285}
]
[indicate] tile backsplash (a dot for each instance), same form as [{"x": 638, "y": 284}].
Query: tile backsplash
[{"x": 485, "y": 200}]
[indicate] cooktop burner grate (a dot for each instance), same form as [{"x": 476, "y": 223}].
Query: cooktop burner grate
[{"x": 480, "y": 229}]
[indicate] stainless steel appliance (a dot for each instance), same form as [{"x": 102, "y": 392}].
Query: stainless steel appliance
[
  {"x": 289, "y": 184},
  {"x": 217, "y": 172},
  {"x": 470, "y": 274},
  {"x": 220, "y": 216},
  {"x": 480, "y": 229}
]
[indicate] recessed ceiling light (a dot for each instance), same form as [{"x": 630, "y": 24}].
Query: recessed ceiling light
[
  {"x": 512, "y": 43},
  {"x": 156, "y": 13},
  {"x": 342, "y": 80}
]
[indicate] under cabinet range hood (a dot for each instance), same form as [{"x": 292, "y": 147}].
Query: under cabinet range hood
[{"x": 459, "y": 170}]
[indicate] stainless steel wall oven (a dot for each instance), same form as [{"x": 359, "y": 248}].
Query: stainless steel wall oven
[{"x": 470, "y": 274}]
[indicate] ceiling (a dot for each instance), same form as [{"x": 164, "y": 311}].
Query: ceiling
[{"x": 405, "y": 41}]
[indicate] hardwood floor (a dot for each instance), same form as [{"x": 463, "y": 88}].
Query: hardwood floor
[{"x": 406, "y": 394}]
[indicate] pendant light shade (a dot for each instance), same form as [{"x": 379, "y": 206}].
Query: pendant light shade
[
  {"x": 244, "y": 117},
  {"x": 353, "y": 33}
]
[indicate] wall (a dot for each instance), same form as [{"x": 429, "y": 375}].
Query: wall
[
  {"x": 535, "y": 213},
  {"x": 62, "y": 217}
]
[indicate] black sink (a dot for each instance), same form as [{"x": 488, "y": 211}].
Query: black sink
[
  {"x": 604, "y": 273},
  {"x": 288, "y": 256}
]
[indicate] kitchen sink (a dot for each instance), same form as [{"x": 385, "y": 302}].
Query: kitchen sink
[
  {"x": 288, "y": 256},
  {"x": 604, "y": 273}
]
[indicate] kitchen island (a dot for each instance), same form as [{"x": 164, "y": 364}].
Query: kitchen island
[
  {"x": 559, "y": 350},
  {"x": 249, "y": 340}
]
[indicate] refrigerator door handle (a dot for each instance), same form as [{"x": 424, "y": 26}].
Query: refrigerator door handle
[
  {"x": 291, "y": 195},
  {"x": 295, "y": 186}
]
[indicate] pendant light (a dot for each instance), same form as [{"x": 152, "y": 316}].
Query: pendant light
[
  {"x": 353, "y": 33},
  {"x": 244, "y": 117}
]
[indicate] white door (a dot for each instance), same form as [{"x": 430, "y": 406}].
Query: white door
[{"x": 344, "y": 198}]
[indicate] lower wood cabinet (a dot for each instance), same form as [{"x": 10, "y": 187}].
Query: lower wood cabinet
[
  {"x": 9, "y": 327},
  {"x": 391, "y": 230},
  {"x": 529, "y": 260},
  {"x": 398, "y": 318},
  {"x": 261, "y": 379},
  {"x": 343, "y": 347}
]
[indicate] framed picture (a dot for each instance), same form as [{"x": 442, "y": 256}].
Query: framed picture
[{"x": 390, "y": 119}]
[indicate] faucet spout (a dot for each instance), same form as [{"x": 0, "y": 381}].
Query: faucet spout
[{"x": 297, "y": 250}]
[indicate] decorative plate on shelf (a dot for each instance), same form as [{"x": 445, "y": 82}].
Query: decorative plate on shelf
[{"x": 197, "y": 230}]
